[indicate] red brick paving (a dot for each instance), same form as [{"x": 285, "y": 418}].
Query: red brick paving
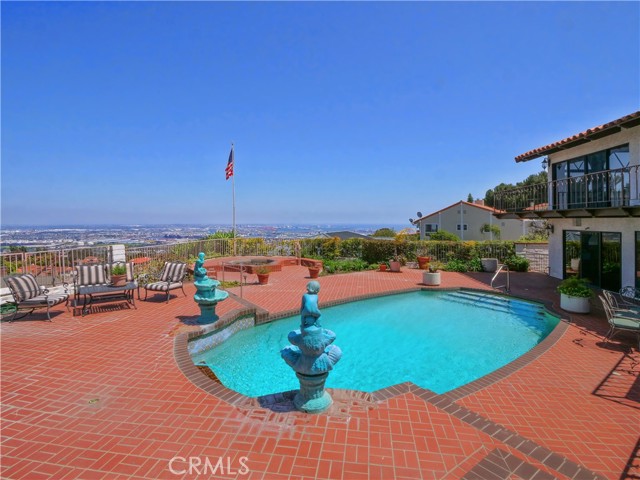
[{"x": 101, "y": 396}]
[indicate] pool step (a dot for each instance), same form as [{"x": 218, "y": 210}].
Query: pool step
[{"x": 493, "y": 302}]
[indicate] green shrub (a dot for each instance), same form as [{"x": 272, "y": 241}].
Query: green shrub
[
  {"x": 517, "y": 264},
  {"x": 444, "y": 235},
  {"x": 575, "y": 287},
  {"x": 475, "y": 265},
  {"x": 456, "y": 265},
  {"x": 341, "y": 266}
]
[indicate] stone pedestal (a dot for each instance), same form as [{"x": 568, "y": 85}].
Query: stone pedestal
[{"x": 312, "y": 397}]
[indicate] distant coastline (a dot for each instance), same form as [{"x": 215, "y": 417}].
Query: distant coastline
[{"x": 36, "y": 237}]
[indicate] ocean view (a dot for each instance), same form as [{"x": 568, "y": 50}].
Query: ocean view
[{"x": 44, "y": 237}]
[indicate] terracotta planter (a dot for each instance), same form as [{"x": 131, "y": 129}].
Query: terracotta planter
[
  {"x": 394, "y": 266},
  {"x": 383, "y": 267},
  {"x": 263, "y": 278},
  {"x": 575, "y": 304},
  {"x": 423, "y": 262},
  {"x": 431, "y": 278},
  {"x": 119, "y": 280},
  {"x": 314, "y": 272}
]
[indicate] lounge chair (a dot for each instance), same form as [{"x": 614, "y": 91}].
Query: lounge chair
[
  {"x": 170, "y": 278},
  {"x": 29, "y": 296},
  {"x": 619, "y": 322}
]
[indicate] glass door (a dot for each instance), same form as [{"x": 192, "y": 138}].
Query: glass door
[
  {"x": 590, "y": 257},
  {"x": 611, "y": 271}
]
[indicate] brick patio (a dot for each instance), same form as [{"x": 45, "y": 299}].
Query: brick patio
[{"x": 104, "y": 396}]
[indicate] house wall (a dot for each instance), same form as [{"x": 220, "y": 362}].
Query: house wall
[
  {"x": 474, "y": 217},
  {"x": 630, "y": 136},
  {"x": 626, "y": 226}
]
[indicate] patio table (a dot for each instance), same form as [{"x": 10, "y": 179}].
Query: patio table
[{"x": 97, "y": 294}]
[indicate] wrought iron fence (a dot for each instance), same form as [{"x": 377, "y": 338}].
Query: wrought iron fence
[
  {"x": 51, "y": 267},
  {"x": 606, "y": 189}
]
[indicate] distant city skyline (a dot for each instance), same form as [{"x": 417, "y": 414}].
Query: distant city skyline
[{"x": 340, "y": 113}]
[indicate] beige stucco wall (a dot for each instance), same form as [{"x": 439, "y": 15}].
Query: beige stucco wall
[
  {"x": 626, "y": 226},
  {"x": 474, "y": 217},
  {"x": 630, "y": 136}
]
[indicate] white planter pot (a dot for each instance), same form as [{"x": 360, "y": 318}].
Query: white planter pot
[
  {"x": 394, "y": 266},
  {"x": 432, "y": 279},
  {"x": 574, "y": 304},
  {"x": 489, "y": 264},
  {"x": 575, "y": 264}
]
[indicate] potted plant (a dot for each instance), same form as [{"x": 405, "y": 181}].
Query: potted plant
[
  {"x": 314, "y": 270},
  {"x": 118, "y": 275},
  {"x": 263, "y": 275},
  {"x": 383, "y": 267},
  {"x": 432, "y": 275},
  {"x": 575, "y": 294},
  {"x": 423, "y": 262},
  {"x": 396, "y": 262}
]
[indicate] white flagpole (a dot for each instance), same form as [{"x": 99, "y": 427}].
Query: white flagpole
[{"x": 233, "y": 190}]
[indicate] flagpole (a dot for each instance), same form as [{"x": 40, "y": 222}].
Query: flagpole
[{"x": 233, "y": 192}]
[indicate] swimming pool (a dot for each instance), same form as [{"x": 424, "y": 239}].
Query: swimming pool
[{"x": 437, "y": 340}]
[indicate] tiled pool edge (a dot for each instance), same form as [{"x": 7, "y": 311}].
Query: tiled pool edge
[
  {"x": 184, "y": 361},
  {"x": 445, "y": 402}
]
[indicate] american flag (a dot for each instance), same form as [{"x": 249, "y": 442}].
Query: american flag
[{"x": 229, "y": 169}]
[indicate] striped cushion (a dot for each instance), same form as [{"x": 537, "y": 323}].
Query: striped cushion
[
  {"x": 23, "y": 287},
  {"x": 163, "y": 286},
  {"x": 173, "y": 272},
  {"x": 51, "y": 299},
  {"x": 91, "y": 274}
]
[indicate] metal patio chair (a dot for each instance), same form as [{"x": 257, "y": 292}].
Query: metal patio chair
[
  {"x": 170, "y": 278},
  {"x": 29, "y": 296},
  {"x": 618, "y": 322}
]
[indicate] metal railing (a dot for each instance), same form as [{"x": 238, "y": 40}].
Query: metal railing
[
  {"x": 51, "y": 267},
  {"x": 606, "y": 189},
  {"x": 54, "y": 267},
  {"x": 507, "y": 285}
]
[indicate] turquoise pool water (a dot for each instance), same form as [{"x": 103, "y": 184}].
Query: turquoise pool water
[{"x": 437, "y": 340}]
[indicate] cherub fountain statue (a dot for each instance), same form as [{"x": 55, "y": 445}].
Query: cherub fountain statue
[
  {"x": 312, "y": 354},
  {"x": 207, "y": 296}
]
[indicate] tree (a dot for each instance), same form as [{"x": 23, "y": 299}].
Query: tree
[
  {"x": 384, "y": 232},
  {"x": 470, "y": 198},
  {"x": 536, "y": 178}
]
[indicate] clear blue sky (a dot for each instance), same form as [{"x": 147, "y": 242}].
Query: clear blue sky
[{"x": 123, "y": 112}]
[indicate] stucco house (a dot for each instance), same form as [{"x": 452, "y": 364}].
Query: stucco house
[
  {"x": 591, "y": 202},
  {"x": 471, "y": 221}
]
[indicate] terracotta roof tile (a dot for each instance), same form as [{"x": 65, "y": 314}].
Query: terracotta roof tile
[{"x": 600, "y": 131}]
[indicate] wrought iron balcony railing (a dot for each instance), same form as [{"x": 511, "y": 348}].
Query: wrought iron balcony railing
[{"x": 601, "y": 190}]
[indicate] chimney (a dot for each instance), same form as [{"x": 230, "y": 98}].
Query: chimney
[{"x": 479, "y": 202}]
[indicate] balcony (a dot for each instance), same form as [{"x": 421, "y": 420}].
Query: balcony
[{"x": 610, "y": 193}]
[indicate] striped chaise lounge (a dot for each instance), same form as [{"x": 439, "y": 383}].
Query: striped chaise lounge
[
  {"x": 170, "y": 278},
  {"x": 29, "y": 296}
]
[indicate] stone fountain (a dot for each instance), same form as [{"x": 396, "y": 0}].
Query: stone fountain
[
  {"x": 207, "y": 295},
  {"x": 311, "y": 356}
]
